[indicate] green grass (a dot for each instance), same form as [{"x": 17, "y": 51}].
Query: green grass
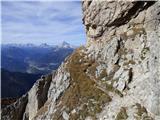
[
  {"x": 140, "y": 109},
  {"x": 109, "y": 87},
  {"x": 144, "y": 52},
  {"x": 132, "y": 62},
  {"x": 142, "y": 113},
  {"x": 103, "y": 74},
  {"x": 82, "y": 91},
  {"x": 122, "y": 115}
]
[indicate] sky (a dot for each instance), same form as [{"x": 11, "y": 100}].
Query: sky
[{"x": 38, "y": 22}]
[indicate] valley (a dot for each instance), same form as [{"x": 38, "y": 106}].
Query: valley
[{"x": 22, "y": 65}]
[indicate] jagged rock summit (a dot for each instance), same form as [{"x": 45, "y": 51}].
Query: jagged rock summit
[{"x": 116, "y": 76}]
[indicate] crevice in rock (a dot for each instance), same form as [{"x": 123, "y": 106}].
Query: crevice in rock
[
  {"x": 118, "y": 47},
  {"x": 116, "y": 63},
  {"x": 149, "y": 3},
  {"x": 89, "y": 3},
  {"x": 130, "y": 74},
  {"x": 43, "y": 90},
  {"x": 94, "y": 26},
  {"x": 133, "y": 12},
  {"x": 87, "y": 26}
]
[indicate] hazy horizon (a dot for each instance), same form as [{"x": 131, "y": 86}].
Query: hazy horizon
[
  {"x": 36, "y": 22},
  {"x": 38, "y": 44}
]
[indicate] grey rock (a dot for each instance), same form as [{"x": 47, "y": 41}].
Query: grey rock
[{"x": 123, "y": 40}]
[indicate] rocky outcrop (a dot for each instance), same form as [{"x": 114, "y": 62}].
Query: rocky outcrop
[
  {"x": 116, "y": 76},
  {"x": 15, "y": 111},
  {"x": 126, "y": 34},
  {"x": 27, "y": 106},
  {"x": 37, "y": 96}
]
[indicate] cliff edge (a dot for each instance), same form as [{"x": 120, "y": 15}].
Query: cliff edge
[{"x": 116, "y": 76}]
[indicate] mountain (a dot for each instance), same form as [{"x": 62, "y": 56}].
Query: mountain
[
  {"x": 15, "y": 84},
  {"x": 116, "y": 76},
  {"x": 45, "y": 45},
  {"x": 47, "y": 58},
  {"x": 22, "y": 65},
  {"x": 65, "y": 45}
]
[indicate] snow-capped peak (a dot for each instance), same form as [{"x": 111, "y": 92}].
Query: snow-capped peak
[{"x": 64, "y": 44}]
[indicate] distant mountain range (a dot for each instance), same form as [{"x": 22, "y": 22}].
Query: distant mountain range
[
  {"x": 34, "y": 59},
  {"x": 14, "y": 84},
  {"x": 22, "y": 65}
]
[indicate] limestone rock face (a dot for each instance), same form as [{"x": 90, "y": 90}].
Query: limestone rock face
[
  {"x": 15, "y": 111},
  {"x": 116, "y": 76},
  {"x": 37, "y": 96},
  {"x": 126, "y": 34},
  {"x": 28, "y": 105}
]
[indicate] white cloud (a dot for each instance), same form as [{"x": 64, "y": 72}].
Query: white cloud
[{"x": 42, "y": 21}]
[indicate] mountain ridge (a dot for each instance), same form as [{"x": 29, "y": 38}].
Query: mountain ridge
[
  {"x": 48, "y": 57},
  {"x": 16, "y": 83},
  {"x": 35, "y": 45},
  {"x": 114, "y": 77}
]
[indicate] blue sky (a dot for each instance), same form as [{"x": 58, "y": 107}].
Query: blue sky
[{"x": 39, "y": 22}]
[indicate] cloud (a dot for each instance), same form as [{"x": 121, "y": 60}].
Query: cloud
[{"x": 37, "y": 22}]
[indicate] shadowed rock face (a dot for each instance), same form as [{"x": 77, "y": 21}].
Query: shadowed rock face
[
  {"x": 115, "y": 76},
  {"x": 27, "y": 106},
  {"x": 15, "y": 111}
]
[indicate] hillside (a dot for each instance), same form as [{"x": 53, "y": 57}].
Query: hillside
[
  {"x": 47, "y": 58},
  {"x": 116, "y": 76},
  {"x": 15, "y": 84}
]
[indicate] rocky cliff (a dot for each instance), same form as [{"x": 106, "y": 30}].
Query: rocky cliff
[{"x": 116, "y": 76}]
